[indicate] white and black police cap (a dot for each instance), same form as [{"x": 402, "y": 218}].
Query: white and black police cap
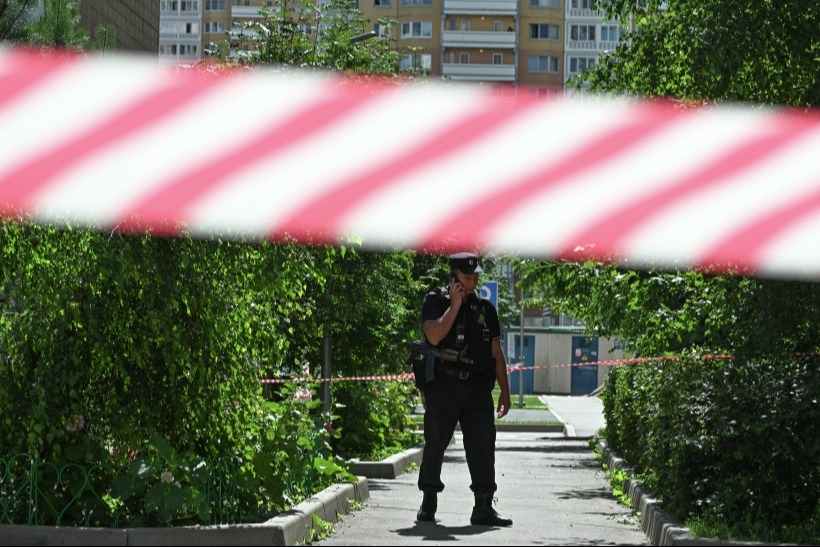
[{"x": 465, "y": 262}]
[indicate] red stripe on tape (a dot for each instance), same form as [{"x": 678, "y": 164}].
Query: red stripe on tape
[
  {"x": 473, "y": 226},
  {"x": 329, "y": 209},
  {"x": 172, "y": 199},
  {"x": 23, "y": 183}
]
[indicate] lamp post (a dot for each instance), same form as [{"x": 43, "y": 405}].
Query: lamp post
[{"x": 362, "y": 37}]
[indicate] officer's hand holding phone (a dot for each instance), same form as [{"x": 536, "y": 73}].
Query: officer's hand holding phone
[{"x": 457, "y": 292}]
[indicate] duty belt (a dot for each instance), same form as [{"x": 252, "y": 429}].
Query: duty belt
[{"x": 456, "y": 373}]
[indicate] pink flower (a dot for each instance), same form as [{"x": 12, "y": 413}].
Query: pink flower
[
  {"x": 303, "y": 394},
  {"x": 75, "y": 423}
]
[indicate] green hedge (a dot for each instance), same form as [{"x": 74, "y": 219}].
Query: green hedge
[{"x": 725, "y": 439}]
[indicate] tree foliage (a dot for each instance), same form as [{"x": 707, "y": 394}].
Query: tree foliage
[
  {"x": 14, "y": 16},
  {"x": 51, "y": 24},
  {"x": 120, "y": 344},
  {"x": 310, "y": 35},
  {"x": 763, "y": 52}
]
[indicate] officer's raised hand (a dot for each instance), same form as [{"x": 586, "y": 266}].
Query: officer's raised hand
[{"x": 457, "y": 292}]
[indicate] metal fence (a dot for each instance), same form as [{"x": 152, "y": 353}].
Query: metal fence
[{"x": 39, "y": 492}]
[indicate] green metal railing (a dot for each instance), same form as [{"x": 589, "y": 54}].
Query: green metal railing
[{"x": 39, "y": 492}]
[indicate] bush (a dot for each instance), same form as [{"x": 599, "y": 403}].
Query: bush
[{"x": 738, "y": 439}]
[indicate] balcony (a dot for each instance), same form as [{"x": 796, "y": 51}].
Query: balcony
[
  {"x": 583, "y": 13},
  {"x": 479, "y": 72},
  {"x": 246, "y": 12},
  {"x": 482, "y": 39},
  {"x": 180, "y": 36},
  {"x": 594, "y": 46},
  {"x": 481, "y": 7},
  {"x": 184, "y": 14}
]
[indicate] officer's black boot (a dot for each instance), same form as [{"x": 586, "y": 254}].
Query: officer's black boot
[
  {"x": 429, "y": 504},
  {"x": 483, "y": 512}
]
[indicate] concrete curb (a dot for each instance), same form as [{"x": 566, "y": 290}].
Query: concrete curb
[
  {"x": 389, "y": 468},
  {"x": 290, "y": 528},
  {"x": 660, "y": 527}
]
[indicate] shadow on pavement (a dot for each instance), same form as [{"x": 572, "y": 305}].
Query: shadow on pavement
[{"x": 431, "y": 531}]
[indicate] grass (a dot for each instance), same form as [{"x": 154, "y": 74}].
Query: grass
[{"x": 531, "y": 402}]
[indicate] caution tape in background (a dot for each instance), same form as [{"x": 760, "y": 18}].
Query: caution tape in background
[
  {"x": 122, "y": 143},
  {"x": 510, "y": 368}
]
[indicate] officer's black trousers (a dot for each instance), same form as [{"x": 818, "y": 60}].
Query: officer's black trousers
[{"x": 448, "y": 401}]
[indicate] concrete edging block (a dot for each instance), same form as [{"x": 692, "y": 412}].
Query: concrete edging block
[
  {"x": 289, "y": 528},
  {"x": 24, "y": 534},
  {"x": 389, "y": 468}
]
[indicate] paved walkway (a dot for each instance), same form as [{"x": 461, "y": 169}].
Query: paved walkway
[{"x": 550, "y": 483}]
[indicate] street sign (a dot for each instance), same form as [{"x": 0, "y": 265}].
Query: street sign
[{"x": 489, "y": 290}]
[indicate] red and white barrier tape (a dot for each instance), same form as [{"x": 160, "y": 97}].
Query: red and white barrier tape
[
  {"x": 510, "y": 368},
  {"x": 124, "y": 143}
]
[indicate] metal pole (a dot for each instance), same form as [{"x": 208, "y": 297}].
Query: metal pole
[
  {"x": 326, "y": 368},
  {"x": 521, "y": 360}
]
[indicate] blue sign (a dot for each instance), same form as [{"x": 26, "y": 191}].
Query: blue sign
[{"x": 489, "y": 290}]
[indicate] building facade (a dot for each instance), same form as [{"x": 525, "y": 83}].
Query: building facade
[
  {"x": 136, "y": 22},
  {"x": 535, "y": 45}
]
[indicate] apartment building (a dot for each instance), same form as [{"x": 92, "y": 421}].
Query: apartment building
[
  {"x": 180, "y": 30},
  {"x": 587, "y": 36},
  {"x": 533, "y": 45}
]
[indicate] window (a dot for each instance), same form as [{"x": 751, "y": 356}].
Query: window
[
  {"x": 498, "y": 26},
  {"x": 544, "y": 32},
  {"x": 554, "y": 4},
  {"x": 381, "y": 3},
  {"x": 214, "y": 5},
  {"x": 464, "y": 24},
  {"x": 189, "y": 5},
  {"x": 416, "y": 61},
  {"x": 580, "y": 64},
  {"x": 382, "y": 31},
  {"x": 609, "y": 33},
  {"x": 582, "y": 32},
  {"x": 585, "y": 4},
  {"x": 542, "y": 63},
  {"x": 213, "y": 27},
  {"x": 498, "y": 58},
  {"x": 416, "y": 30},
  {"x": 416, "y": 2},
  {"x": 464, "y": 58}
]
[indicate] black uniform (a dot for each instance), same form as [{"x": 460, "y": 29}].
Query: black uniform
[{"x": 462, "y": 393}]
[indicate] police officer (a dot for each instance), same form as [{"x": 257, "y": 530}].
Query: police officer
[{"x": 457, "y": 318}]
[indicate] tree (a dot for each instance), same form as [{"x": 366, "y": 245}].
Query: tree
[
  {"x": 59, "y": 26},
  {"x": 14, "y": 16},
  {"x": 308, "y": 35},
  {"x": 55, "y": 25},
  {"x": 760, "y": 52}
]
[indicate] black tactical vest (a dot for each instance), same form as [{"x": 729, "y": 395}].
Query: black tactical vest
[{"x": 471, "y": 331}]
